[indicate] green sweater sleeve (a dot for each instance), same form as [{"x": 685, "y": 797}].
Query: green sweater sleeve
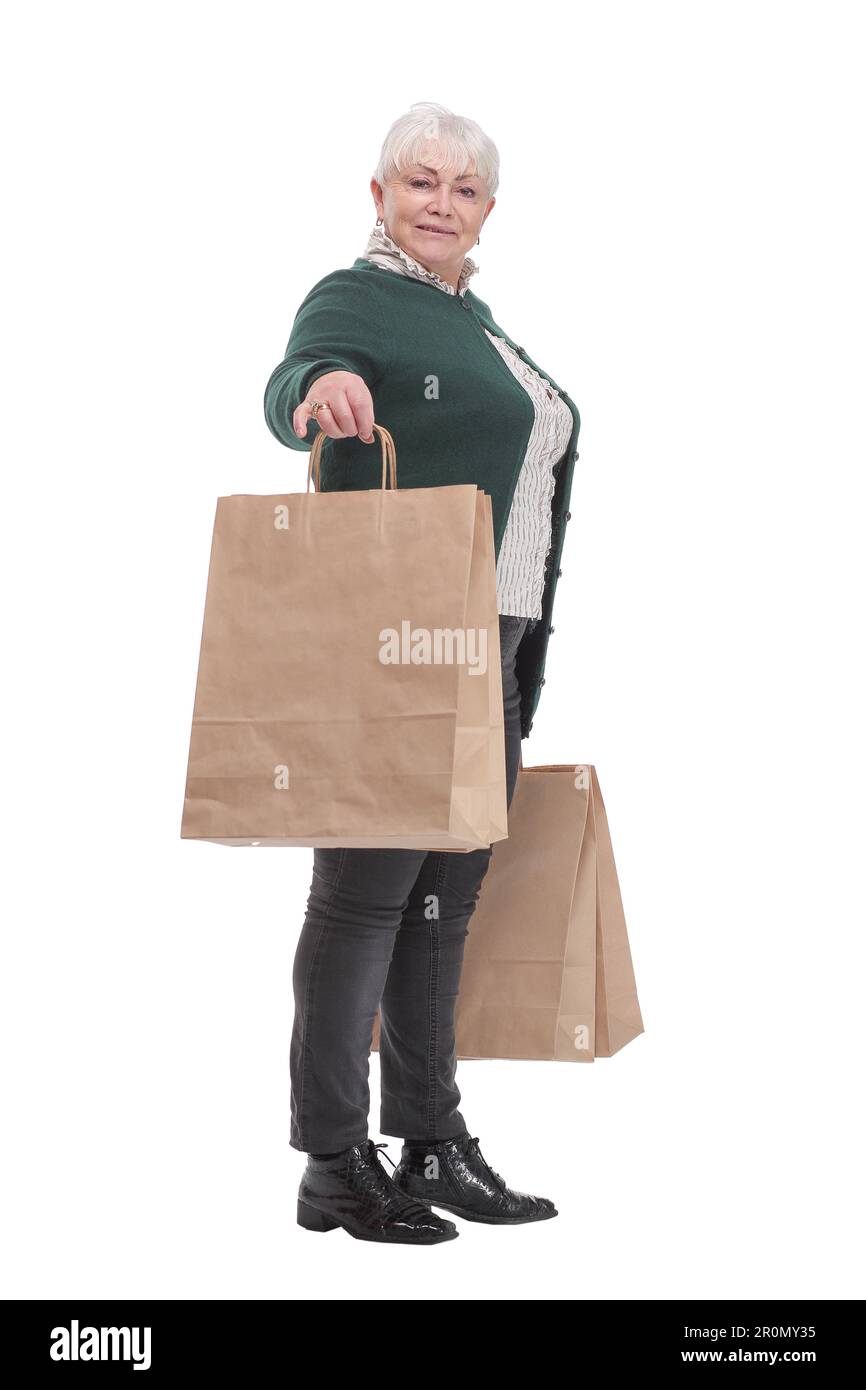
[{"x": 338, "y": 328}]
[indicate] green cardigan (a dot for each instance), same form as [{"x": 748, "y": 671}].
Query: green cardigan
[{"x": 456, "y": 411}]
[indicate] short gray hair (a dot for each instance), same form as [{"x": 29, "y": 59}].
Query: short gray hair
[{"x": 461, "y": 142}]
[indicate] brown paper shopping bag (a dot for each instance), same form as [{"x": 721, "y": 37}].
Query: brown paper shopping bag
[
  {"x": 547, "y": 970},
  {"x": 349, "y": 684}
]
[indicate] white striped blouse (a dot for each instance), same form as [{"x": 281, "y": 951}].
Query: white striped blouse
[{"x": 526, "y": 541}]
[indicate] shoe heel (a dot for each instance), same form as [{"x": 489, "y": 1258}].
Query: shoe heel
[{"x": 314, "y": 1220}]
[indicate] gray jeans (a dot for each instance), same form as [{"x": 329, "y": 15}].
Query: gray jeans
[{"x": 368, "y": 943}]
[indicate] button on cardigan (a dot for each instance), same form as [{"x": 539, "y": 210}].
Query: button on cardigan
[
  {"x": 428, "y": 360},
  {"x": 526, "y": 542}
]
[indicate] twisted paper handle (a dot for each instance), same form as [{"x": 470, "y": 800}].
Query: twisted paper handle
[{"x": 389, "y": 457}]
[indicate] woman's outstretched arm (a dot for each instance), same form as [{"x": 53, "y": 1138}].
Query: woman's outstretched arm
[{"x": 339, "y": 343}]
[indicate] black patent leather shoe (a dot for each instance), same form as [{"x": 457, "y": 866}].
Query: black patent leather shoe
[
  {"x": 461, "y": 1180},
  {"x": 354, "y": 1191}
]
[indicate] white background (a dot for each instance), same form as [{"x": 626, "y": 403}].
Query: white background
[{"x": 678, "y": 239}]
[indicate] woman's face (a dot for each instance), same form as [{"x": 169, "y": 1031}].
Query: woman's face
[{"x": 434, "y": 214}]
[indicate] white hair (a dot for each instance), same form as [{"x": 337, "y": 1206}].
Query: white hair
[{"x": 461, "y": 143}]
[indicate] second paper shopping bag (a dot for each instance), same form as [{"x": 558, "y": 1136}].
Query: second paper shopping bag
[
  {"x": 349, "y": 686},
  {"x": 547, "y": 969}
]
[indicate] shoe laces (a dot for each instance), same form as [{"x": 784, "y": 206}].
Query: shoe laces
[
  {"x": 370, "y": 1174},
  {"x": 472, "y": 1147},
  {"x": 373, "y": 1177},
  {"x": 374, "y": 1154}
]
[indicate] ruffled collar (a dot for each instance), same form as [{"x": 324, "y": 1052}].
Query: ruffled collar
[{"x": 382, "y": 250}]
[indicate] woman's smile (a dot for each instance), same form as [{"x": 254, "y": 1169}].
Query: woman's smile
[{"x": 435, "y": 231}]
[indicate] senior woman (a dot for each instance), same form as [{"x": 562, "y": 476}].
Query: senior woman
[{"x": 400, "y": 331}]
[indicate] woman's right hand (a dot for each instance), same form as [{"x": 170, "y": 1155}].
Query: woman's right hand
[{"x": 351, "y": 407}]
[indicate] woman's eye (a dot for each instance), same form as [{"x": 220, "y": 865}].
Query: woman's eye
[{"x": 425, "y": 183}]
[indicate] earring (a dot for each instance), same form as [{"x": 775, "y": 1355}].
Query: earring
[
  {"x": 478, "y": 242},
  {"x": 379, "y": 221}
]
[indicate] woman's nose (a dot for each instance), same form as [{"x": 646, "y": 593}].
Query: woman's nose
[{"x": 441, "y": 201}]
